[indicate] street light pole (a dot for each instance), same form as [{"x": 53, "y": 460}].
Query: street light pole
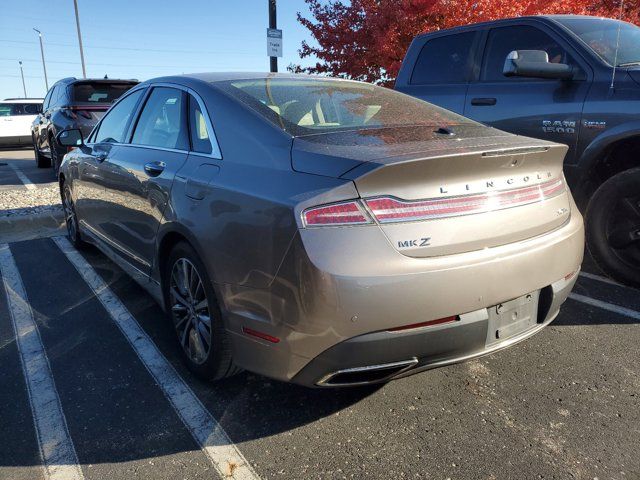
[
  {"x": 273, "y": 24},
  {"x": 24, "y": 88},
  {"x": 44, "y": 67},
  {"x": 75, "y": 6}
]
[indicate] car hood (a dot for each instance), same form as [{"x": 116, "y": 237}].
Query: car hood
[{"x": 334, "y": 154}]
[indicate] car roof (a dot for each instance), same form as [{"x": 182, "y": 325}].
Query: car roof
[
  {"x": 23, "y": 100},
  {"x": 70, "y": 80},
  {"x": 213, "y": 77}
]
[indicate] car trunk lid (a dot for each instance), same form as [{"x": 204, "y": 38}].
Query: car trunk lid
[{"x": 440, "y": 194}]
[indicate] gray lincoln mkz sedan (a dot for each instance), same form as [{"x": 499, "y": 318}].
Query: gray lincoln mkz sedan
[{"x": 320, "y": 231}]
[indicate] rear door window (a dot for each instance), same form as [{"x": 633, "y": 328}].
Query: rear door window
[
  {"x": 163, "y": 121},
  {"x": 444, "y": 60},
  {"x": 5, "y": 109},
  {"x": 504, "y": 40},
  {"x": 115, "y": 123}
]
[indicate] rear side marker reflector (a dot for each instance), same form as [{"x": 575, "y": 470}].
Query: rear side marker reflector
[
  {"x": 345, "y": 213},
  {"x": 389, "y": 209},
  {"x": 425, "y": 324},
  {"x": 263, "y": 336}
]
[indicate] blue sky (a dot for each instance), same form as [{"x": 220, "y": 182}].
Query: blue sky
[{"x": 139, "y": 38}]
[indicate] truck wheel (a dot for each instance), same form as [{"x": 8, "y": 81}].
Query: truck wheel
[{"x": 613, "y": 227}]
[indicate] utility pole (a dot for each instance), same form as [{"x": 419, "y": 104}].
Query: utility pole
[
  {"x": 24, "y": 88},
  {"x": 75, "y": 6},
  {"x": 44, "y": 67},
  {"x": 273, "y": 24}
]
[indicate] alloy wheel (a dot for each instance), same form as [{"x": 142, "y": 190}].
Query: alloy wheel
[
  {"x": 69, "y": 213},
  {"x": 190, "y": 310}
]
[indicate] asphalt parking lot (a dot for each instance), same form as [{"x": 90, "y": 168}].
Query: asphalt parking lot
[{"x": 93, "y": 385}]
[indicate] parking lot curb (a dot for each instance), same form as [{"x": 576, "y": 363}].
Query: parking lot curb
[{"x": 26, "y": 227}]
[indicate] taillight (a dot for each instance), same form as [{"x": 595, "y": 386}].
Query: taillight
[
  {"x": 73, "y": 112},
  {"x": 389, "y": 209},
  {"x": 345, "y": 213}
]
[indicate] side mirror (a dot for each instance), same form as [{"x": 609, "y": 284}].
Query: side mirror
[
  {"x": 70, "y": 138},
  {"x": 535, "y": 64}
]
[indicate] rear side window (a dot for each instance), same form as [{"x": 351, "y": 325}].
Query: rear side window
[
  {"x": 98, "y": 92},
  {"x": 163, "y": 120},
  {"x": 5, "y": 109},
  {"x": 200, "y": 141},
  {"x": 444, "y": 60},
  {"x": 504, "y": 40},
  {"x": 115, "y": 123}
]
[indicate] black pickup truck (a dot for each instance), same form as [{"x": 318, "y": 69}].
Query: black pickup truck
[{"x": 565, "y": 78}]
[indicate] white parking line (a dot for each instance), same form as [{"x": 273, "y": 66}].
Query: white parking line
[
  {"x": 207, "y": 432},
  {"x": 56, "y": 447},
  {"x": 627, "y": 312},
  {"x": 600, "y": 278},
  {"x": 23, "y": 178}
]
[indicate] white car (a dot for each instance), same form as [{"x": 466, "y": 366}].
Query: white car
[{"x": 16, "y": 116}]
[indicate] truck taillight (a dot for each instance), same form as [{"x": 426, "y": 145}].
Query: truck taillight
[
  {"x": 344, "y": 213},
  {"x": 390, "y": 209}
]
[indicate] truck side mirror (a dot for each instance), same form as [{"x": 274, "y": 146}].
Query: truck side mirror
[
  {"x": 70, "y": 138},
  {"x": 535, "y": 64}
]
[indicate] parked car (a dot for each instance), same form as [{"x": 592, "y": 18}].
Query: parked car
[
  {"x": 570, "y": 79},
  {"x": 320, "y": 231},
  {"x": 16, "y": 115},
  {"x": 72, "y": 103}
]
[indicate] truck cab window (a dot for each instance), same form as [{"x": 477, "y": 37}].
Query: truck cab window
[
  {"x": 444, "y": 60},
  {"x": 504, "y": 40}
]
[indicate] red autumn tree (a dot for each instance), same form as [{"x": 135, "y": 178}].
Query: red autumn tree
[{"x": 367, "y": 39}]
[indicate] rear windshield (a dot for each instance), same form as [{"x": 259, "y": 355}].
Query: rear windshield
[
  {"x": 98, "y": 92},
  {"x": 11, "y": 109},
  {"x": 308, "y": 106}
]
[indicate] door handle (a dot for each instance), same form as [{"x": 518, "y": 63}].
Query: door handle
[
  {"x": 483, "y": 102},
  {"x": 154, "y": 169}
]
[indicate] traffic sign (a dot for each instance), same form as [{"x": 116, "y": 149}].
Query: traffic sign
[{"x": 274, "y": 42}]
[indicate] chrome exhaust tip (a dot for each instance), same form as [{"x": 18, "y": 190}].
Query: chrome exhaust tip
[{"x": 358, "y": 376}]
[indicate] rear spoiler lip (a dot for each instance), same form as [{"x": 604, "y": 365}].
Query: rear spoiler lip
[{"x": 526, "y": 148}]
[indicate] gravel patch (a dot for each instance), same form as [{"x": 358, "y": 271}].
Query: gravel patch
[{"x": 23, "y": 202}]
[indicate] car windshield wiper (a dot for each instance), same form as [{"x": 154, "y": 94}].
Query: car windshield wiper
[{"x": 629, "y": 64}]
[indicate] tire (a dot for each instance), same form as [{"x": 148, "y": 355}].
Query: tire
[
  {"x": 70, "y": 217},
  {"x": 613, "y": 227},
  {"x": 41, "y": 160},
  {"x": 189, "y": 308},
  {"x": 55, "y": 161}
]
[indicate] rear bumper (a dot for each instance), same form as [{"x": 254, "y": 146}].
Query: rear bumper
[
  {"x": 339, "y": 290},
  {"x": 382, "y": 356}
]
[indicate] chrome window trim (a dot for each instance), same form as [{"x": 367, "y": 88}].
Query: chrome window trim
[{"x": 216, "y": 153}]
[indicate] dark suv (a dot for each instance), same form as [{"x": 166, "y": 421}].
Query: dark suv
[
  {"x": 72, "y": 103},
  {"x": 570, "y": 79}
]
